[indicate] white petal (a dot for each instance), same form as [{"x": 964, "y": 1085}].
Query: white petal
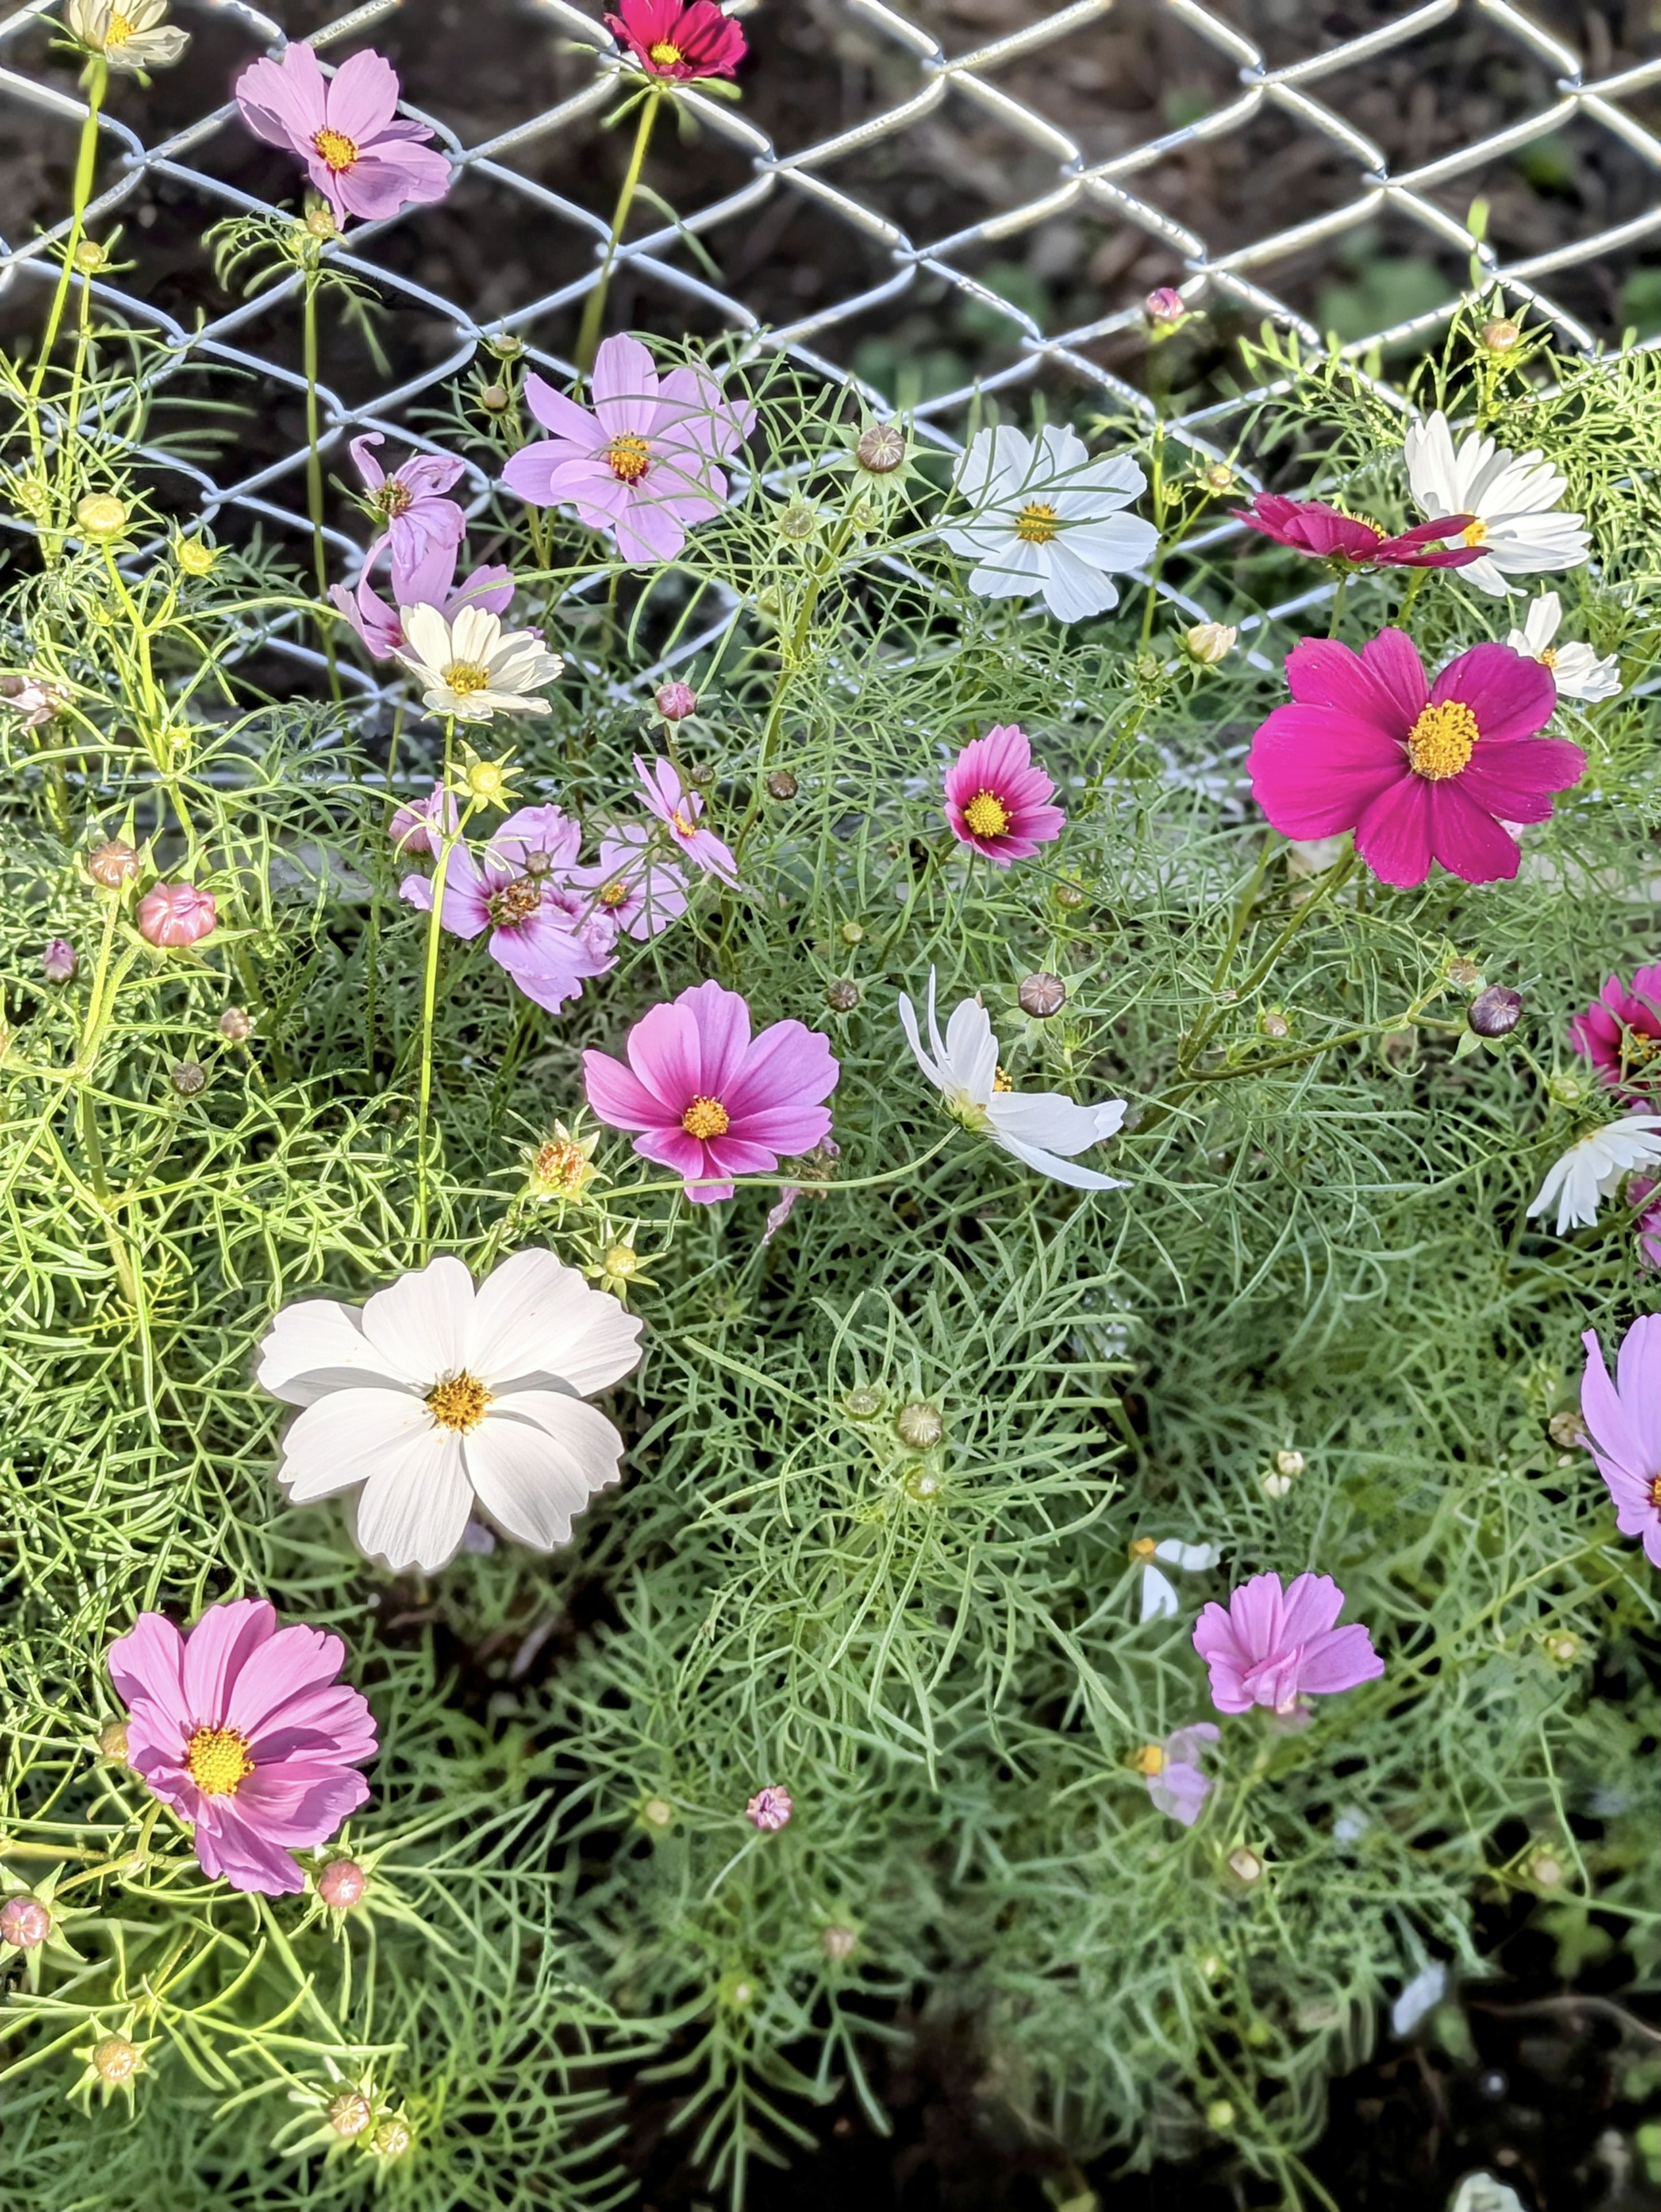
[
  {"x": 536, "y": 1318},
  {"x": 909, "y": 1023},
  {"x": 531, "y": 1479},
  {"x": 1060, "y": 452},
  {"x": 1427, "y": 450},
  {"x": 1159, "y": 1598},
  {"x": 1540, "y": 627},
  {"x": 1058, "y": 1170},
  {"x": 319, "y": 1346},
  {"x": 1047, "y": 1118},
  {"x": 413, "y": 1515},
  {"x": 1074, "y": 590},
  {"x": 1117, "y": 542},
  {"x": 475, "y": 634},
  {"x": 427, "y": 636},
  {"x": 348, "y": 1437},
  {"x": 1011, "y": 569},
  {"x": 997, "y": 459},
  {"x": 970, "y": 1058},
  {"x": 421, "y": 1320},
  {"x": 1194, "y": 1557},
  {"x": 1483, "y": 574},
  {"x": 1580, "y": 674},
  {"x": 1423, "y": 1994}
]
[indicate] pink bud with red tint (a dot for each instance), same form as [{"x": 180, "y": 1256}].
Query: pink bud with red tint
[
  {"x": 675, "y": 701},
  {"x": 176, "y": 914},
  {"x": 341, "y": 1884},
  {"x": 25, "y": 1922}
]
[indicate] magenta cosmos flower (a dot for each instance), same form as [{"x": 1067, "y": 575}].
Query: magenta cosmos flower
[
  {"x": 360, "y": 157},
  {"x": 997, "y": 801},
  {"x": 1310, "y": 525},
  {"x": 431, "y": 582},
  {"x": 707, "y": 1100},
  {"x": 1272, "y": 1647},
  {"x": 1623, "y": 1421},
  {"x": 1620, "y": 1032},
  {"x": 643, "y": 465},
  {"x": 680, "y": 811},
  {"x": 546, "y": 935},
  {"x": 1418, "y": 772},
  {"x": 176, "y": 913},
  {"x": 241, "y": 1728},
  {"x": 419, "y": 521},
  {"x": 672, "y": 40}
]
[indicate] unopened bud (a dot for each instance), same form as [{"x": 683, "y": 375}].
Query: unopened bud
[
  {"x": 1496, "y": 1012},
  {"x": 1275, "y": 1485},
  {"x": 923, "y": 1484},
  {"x": 393, "y": 2137},
  {"x": 1501, "y": 335},
  {"x": 319, "y": 217},
  {"x": 1246, "y": 1866},
  {"x": 90, "y": 258},
  {"x": 113, "y": 1741},
  {"x": 881, "y": 449},
  {"x": 496, "y": 400},
  {"x": 487, "y": 780},
  {"x": 350, "y": 2114},
  {"x": 101, "y": 516},
  {"x": 194, "y": 555},
  {"x": 861, "y": 1403},
  {"x": 842, "y": 997},
  {"x": 1163, "y": 305},
  {"x": 1546, "y": 1869},
  {"x": 658, "y": 1813},
  {"x": 675, "y": 701},
  {"x": 838, "y": 1944},
  {"x": 919, "y": 1425},
  {"x": 1562, "y": 1647},
  {"x": 1219, "y": 2115},
  {"x": 1216, "y": 476},
  {"x": 852, "y": 932},
  {"x": 1566, "y": 1428},
  {"x": 1209, "y": 642},
  {"x": 1042, "y": 996},
  {"x": 57, "y": 962},
  {"x": 770, "y": 1809},
  {"x": 1070, "y": 896},
  {"x": 115, "y": 2060},
  {"x": 797, "y": 521},
  {"x": 176, "y": 914},
  {"x": 1289, "y": 1462},
  {"x": 781, "y": 785},
  {"x": 1272, "y": 1023},
  {"x": 621, "y": 1262},
  {"x": 113, "y": 865},
  {"x": 25, "y": 1922},
  {"x": 342, "y": 1884},
  {"x": 189, "y": 1079},
  {"x": 506, "y": 347},
  {"x": 236, "y": 1025},
  {"x": 1465, "y": 975}
]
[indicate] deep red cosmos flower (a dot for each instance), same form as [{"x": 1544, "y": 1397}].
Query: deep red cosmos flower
[
  {"x": 672, "y": 40},
  {"x": 1310, "y": 525}
]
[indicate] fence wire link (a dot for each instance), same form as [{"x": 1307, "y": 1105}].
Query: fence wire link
[{"x": 1242, "y": 277}]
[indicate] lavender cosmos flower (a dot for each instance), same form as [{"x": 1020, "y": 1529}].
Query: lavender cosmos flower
[
  {"x": 547, "y": 936},
  {"x": 176, "y": 913},
  {"x": 641, "y": 891},
  {"x": 1272, "y": 1647},
  {"x": 708, "y": 1101},
  {"x": 1623, "y": 1421},
  {"x": 770, "y": 1809},
  {"x": 997, "y": 801},
  {"x": 643, "y": 464},
  {"x": 1174, "y": 1780},
  {"x": 363, "y": 162},
  {"x": 411, "y": 503},
  {"x": 679, "y": 810},
  {"x": 431, "y": 583},
  {"x": 241, "y": 1728}
]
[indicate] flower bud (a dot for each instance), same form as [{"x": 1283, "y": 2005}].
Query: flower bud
[
  {"x": 1546, "y": 1869},
  {"x": 1496, "y": 1012},
  {"x": 1275, "y": 1485},
  {"x": 797, "y": 521},
  {"x": 236, "y": 1025},
  {"x": 176, "y": 914},
  {"x": 1501, "y": 335},
  {"x": 838, "y": 1944},
  {"x": 350, "y": 2114},
  {"x": 1464, "y": 975},
  {"x": 1219, "y": 2115},
  {"x": 342, "y": 1884},
  {"x": 90, "y": 258},
  {"x": 1289, "y": 1462},
  {"x": 393, "y": 2137},
  {"x": 113, "y": 1741},
  {"x": 112, "y": 865},
  {"x": 919, "y": 1425},
  {"x": 1165, "y": 305},
  {"x": 496, "y": 400},
  {"x": 506, "y": 347},
  {"x": 658, "y": 1813},
  {"x": 675, "y": 701},
  {"x": 1042, "y": 996},
  {"x": 1070, "y": 896},
  {"x": 487, "y": 782},
  {"x": 842, "y": 996},
  {"x": 25, "y": 1922},
  {"x": 101, "y": 516},
  {"x": 1216, "y": 476},
  {"x": 1561, "y": 1648},
  {"x": 852, "y": 932},
  {"x": 194, "y": 555},
  {"x": 770, "y": 1809},
  {"x": 861, "y": 1404},
  {"x": 1566, "y": 1428},
  {"x": 57, "y": 961},
  {"x": 115, "y": 2060},
  {"x": 881, "y": 449},
  {"x": 781, "y": 785},
  {"x": 319, "y": 217},
  {"x": 1246, "y": 1866},
  {"x": 1272, "y": 1023},
  {"x": 923, "y": 1484},
  {"x": 1209, "y": 642},
  {"x": 189, "y": 1079}
]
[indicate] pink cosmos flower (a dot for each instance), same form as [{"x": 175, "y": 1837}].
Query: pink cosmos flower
[
  {"x": 546, "y": 935},
  {"x": 35, "y": 702},
  {"x": 1419, "y": 773},
  {"x": 419, "y": 519},
  {"x": 671, "y": 38},
  {"x": 643, "y": 465},
  {"x": 1174, "y": 1782},
  {"x": 642, "y": 891},
  {"x": 1310, "y": 525},
  {"x": 416, "y": 827},
  {"x": 707, "y": 1100},
  {"x": 997, "y": 801},
  {"x": 1620, "y": 1033},
  {"x": 1640, "y": 1192},
  {"x": 1623, "y": 1421},
  {"x": 363, "y": 162},
  {"x": 770, "y": 1809},
  {"x": 176, "y": 913},
  {"x": 679, "y": 810},
  {"x": 241, "y": 1728},
  {"x": 1273, "y": 1647},
  {"x": 430, "y": 583}
]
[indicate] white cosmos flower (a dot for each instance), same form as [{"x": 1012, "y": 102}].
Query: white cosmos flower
[
  {"x": 1158, "y": 1596},
  {"x": 433, "y": 1396},
  {"x": 1575, "y": 669},
  {"x": 1514, "y": 500},
  {"x": 126, "y": 32},
  {"x": 1035, "y": 1126},
  {"x": 474, "y": 669},
  {"x": 1589, "y": 1171},
  {"x": 1046, "y": 519}
]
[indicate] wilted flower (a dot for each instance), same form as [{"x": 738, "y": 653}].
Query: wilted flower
[
  {"x": 341, "y": 1885},
  {"x": 1513, "y": 503},
  {"x": 679, "y": 810},
  {"x": 57, "y": 962},
  {"x": 1171, "y": 1771},
  {"x": 189, "y": 1079},
  {"x": 1311, "y": 525},
  {"x": 1272, "y": 1647},
  {"x": 1041, "y": 997},
  {"x": 363, "y": 161},
  {"x": 880, "y": 449},
  {"x": 1500, "y": 336},
  {"x": 37, "y": 702},
  {"x": 1046, "y": 519},
  {"x": 416, "y": 826},
  {"x": 1592, "y": 1168},
  {"x": 418, "y": 523},
  {"x": 997, "y": 801},
  {"x": 1624, "y": 1421},
  {"x": 1646, "y": 1207},
  {"x": 113, "y": 865},
  {"x": 678, "y": 39},
  {"x": 770, "y": 1809},
  {"x": 839, "y": 1944},
  {"x": 131, "y": 35},
  {"x": 1575, "y": 669},
  {"x": 1620, "y": 1033},
  {"x": 349, "y": 2113},
  {"x": 472, "y": 668},
  {"x": 561, "y": 1167},
  {"x": 115, "y": 2061},
  {"x": 919, "y": 1425},
  {"x": 236, "y": 1025},
  {"x": 781, "y": 785},
  {"x": 176, "y": 913},
  {"x": 675, "y": 701}
]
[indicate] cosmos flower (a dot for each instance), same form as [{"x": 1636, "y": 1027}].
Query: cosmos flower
[
  {"x": 176, "y": 913},
  {"x": 416, "y": 827},
  {"x": 1646, "y": 1208},
  {"x": 1592, "y": 1168},
  {"x": 1623, "y": 1422},
  {"x": 417, "y": 518},
  {"x": 1421, "y": 773},
  {"x": 363, "y": 161},
  {"x": 546, "y": 936},
  {"x": 679, "y": 810},
  {"x": 1575, "y": 669},
  {"x": 997, "y": 801},
  {"x": 1172, "y": 1774},
  {"x": 1514, "y": 503},
  {"x": 435, "y": 1398},
  {"x": 1159, "y": 1600},
  {"x": 1310, "y": 525},
  {"x": 770, "y": 1809},
  {"x": 241, "y": 1728},
  {"x": 638, "y": 888},
  {"x": 37, "y": 702},
  {"x": 1620, "y": 1033},
  {"x": 707, "y": 1100},
  {"x": 1040, "y": 1128},
  {"x": 1046, "y": 519},
  {"x": 643, "y": 463},
  {"x": 674, "y": 39},
  {"x": 472, "y": 668},
  {"x": 1273, "y": 1647},
  {"x": 430, "y": 583},
  {"x": 130, "y": 34}
]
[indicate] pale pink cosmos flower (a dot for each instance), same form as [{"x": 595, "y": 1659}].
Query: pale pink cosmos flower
[
  {"x": 176, "y": 913},
  {"x": 430, "y": 582},
  {"x": 708, "y": 1101},
  {"x": 417, "y": 828},
  {"x": 363, "y": 161},
  {"x": 679, "y": 810},
  {"x": 546, "y": 936},
  {"x": 1623, "y": 1422},
  {"x": 643, "y": 464},
  {"x": 1171, "y": 1771},
  {"x": 997, "y": 801},
  {"x": 1271, "y": 1647},
  {"x": 411, "y": 503},
  {"x": 641, "y": 891},
  {"x": 241, "y": 1728},
  {"x": 770, "y": 1809},
  {"x": 35, "y": 702}
]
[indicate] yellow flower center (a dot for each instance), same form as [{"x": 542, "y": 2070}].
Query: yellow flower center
[
  {"x": 680, "y": 821},
  {"x": 664, "y": 54},
  {"x": 986, "y": 815},
  {"x": 1000, "y": 1081},
  {"x": 218, "y": 1760},
  {"x": 1143, "y": 1548},
  {"x": 514, "y": 903},
  {"x": 627, "y": 456},
  {"x": 466, "y": 678},
  {"x": 1149, "y": 1760},
  {"x": 1475, "y": 533},
  {"x": 705, "y": 1118},
  {"x": 1035, "y": 524},
  {"x": 120, "y": 32},
  {"x": 391, "y": 497},
  {"x": 1655, "y": 1491},
  {"x": 1442, "y": 740},
  {"x": 459, "y": 1402},
  {"x": 561, "y": 1166},
  {"x": 337, "y": 150},
  {"x": 614, "y": 893},
  {"x": 1548, "y": 658}
]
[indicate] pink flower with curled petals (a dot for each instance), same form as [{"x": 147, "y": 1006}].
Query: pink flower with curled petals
[
  {"x": 418, "y": 520},
  {"x": 1310, "y": 525},
  {"x": 708, "y": 1101},
  {"x": 241, "y": 1728},
  {"x": 679, "y": 38},
  {"x": 1271, "y": 1647},
  {"x": 1421, "y": 772},
  {"x": 770, "y": 1809},
  {"x": 680, "y": 811},
  {"x": 1620, "y": 1033},
  {"x": 1623, "y": 1422},
  {"x": 546, "y": 935},
  {"x": 176, "y": 913},
  {"x": 997, "y": 801},
  {"x": 363, "y": 161},
  {"x": 640, "y": 890},
  {"x": 417, "y": 828},
  {"x": 643, "y": 463}
]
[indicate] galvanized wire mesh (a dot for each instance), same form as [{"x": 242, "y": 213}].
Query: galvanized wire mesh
[{"x": 1300, "y": 95}]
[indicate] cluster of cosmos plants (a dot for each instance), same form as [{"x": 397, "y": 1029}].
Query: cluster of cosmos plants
[{"x": 740, "y": 662}]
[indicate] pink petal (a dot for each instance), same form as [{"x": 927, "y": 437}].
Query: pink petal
[
  {"x": 293, "y": 1659},
  {"x": 1466, "y": 839},
  {"x": 1510, "y": 694},
  {"x": 665, "y": 1052},
  {"x": 233, "y": 1849},
  {"x": 1339, "y": 1660},
  {"x": 671, "y": 1147},
  {"x": 624, "y": 387},
  {"x": 361, "y": 97},
  {"x": 1613, "y": 1424},
  {"x": 1393, "y": 834},
  {"x": 787, "y": 1064},
  {"x": 1312, "y": 1603},
  {"x": 1314, "y": 773},
  {"x": 216, "y": 1650},
  {"x": 563, "y": 416},
  {"x": 284, "y": 102},
  {"x": 1508, "y": 778},
  {"x": 147, "y": 1668},
  {"x": 620, "y": 1098}
]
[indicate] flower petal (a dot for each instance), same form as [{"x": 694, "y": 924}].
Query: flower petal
[
  {"x": 535, "y": 1317},
  {"x": 533, "y": 1475}
]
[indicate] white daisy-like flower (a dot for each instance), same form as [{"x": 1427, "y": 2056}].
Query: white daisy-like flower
[
  {"x": 1575, "y": 669},
  {"x": 1591, "y": 1170},
  {"x": 438, "y": 1398},
  {"x": 474, "y": 669},
  {"x": 1159, "y": 1599},
  {"x": 127, "y": 32},
  {"x": 1047, "y": 519},
  {"x": 1036, "y": 1126},
  {"x": 1513, "y": 498}
]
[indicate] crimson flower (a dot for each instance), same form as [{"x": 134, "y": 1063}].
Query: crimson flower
[
  {"x": 1310, "y": 525},
  {"x": 1620, "y": 1033},
  {"x": 997, "y": 801},
  {"x": 671, "y": 39}
]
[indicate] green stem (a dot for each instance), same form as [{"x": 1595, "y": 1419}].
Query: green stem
[
  {"x": 451, "y": 838},
  {"x": 314, "y": 478},
  {"x": 1339, "y": 589},
  {"x": 779, "y": 1182},
  {"x": 97, "y": 81},
  {"x": 1415, "y": 585},
  {"x": 593, "y": 313},
  {"x": 1334, "y": 878}
]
